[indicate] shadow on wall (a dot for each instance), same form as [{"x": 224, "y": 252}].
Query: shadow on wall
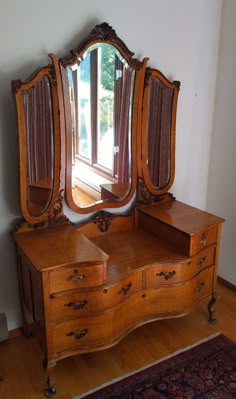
[{"x": 9, "y": 150}]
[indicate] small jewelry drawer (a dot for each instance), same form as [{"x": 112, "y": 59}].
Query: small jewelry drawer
[
  {"x": 77, "y": 276},
  {"x": 202, "y": 284},
  {"x": 90, "y": 302},
  {"x": 203, "y": 259},
  {"x": 200, "y": 240}
]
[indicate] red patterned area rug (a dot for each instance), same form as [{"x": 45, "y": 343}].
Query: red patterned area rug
[{"x": 206, "y": 370}]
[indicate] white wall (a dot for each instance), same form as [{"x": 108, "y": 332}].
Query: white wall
[
  {"x": 221, "y": 195},
  {"x": 181, "y": 39}
]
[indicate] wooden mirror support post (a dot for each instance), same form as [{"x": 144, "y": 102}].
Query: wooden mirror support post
[{"x": 119, "y": 271}]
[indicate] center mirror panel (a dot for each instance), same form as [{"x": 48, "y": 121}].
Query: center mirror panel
[{"x": 100, "y": 86}]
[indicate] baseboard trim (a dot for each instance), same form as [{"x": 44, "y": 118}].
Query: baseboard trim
[
  {"x": 226, "y": 284},
  {"x": 15, "y": 333}
]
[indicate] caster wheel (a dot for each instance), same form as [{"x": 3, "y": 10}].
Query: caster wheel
[
  {"x": 212, "y": 320},
  {"x": 50, "y": 392}
]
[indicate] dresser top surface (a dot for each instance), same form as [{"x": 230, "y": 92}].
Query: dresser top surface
[
  {"x": 181, "y": 216},
  {"x": 57, "y": 246}
]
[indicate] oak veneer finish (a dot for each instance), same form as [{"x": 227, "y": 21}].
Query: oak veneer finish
[
  {"x": 85, "y": 287},
  {"x": 83, "y": 293},
  {"x": 21, "y": 359},
  {"x": 59, "y": 246}
]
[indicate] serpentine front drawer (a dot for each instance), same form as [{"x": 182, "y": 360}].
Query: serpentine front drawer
[
  {"x": 88, "y": 333},
  {"x": 168, "y": 274},
  {"x": 87, "y": 302},
  {"x": 77, "y": 276}
]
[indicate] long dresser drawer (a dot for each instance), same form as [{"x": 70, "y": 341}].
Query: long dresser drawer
[
  {"x": 87, "y": 333},
  {"x": 77, "y": 276},
  {"x": 168, "y": 274},
  {"x": 88, "y": 302}
]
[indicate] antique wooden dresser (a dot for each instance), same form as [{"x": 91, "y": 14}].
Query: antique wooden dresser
[{"x": 97, "y": 132}]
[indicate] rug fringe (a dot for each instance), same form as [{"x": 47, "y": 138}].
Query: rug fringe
[{"x": 106, "y": 384}]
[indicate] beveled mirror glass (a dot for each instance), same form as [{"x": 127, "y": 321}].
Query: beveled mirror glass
[
  {"x": 101, "y": 93},
  {"x": 99, "y": 82}
]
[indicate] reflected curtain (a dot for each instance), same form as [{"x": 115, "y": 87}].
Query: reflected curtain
[
  {"x": 38, "y": 121},
  {"x": 159, "y": 132},
  {"x": 123, "y": 97}
]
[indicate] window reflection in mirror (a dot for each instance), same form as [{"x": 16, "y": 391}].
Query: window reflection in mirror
[
  {"x": 100, "y": 91},
  {"x": 37, "y": 105}
]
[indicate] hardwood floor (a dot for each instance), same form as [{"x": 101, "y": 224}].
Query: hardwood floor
[{"x": 21, "y": 359}]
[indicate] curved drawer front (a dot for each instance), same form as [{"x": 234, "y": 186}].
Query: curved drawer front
[
  {"x": 77, "y": 276},
  {"x": 177, "y": 299},
  {"x": 103, "y": 330},
  {"x": 82, "y": 332},
  {"x": 95, "y": 301},
  {"x": 201, "y": 240},
  {"x": 168, "y": 274}
]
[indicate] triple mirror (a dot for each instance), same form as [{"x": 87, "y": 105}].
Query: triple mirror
[{"x": 116, "y": 127}]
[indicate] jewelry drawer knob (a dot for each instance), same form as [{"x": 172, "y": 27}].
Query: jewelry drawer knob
[
  {"x": 75, "y": 277},
  {"x": 201, "y": 261},
  {"x": 78, "y": 334},
  {"x": 200, "y": 287},
  {"x": 204, "y": 240},
  {"x": 76, "y": 305},
  {"x": 125, "y": 290},
  {"x": 166, "y": 275}
]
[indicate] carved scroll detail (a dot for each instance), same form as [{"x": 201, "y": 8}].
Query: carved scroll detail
[
  {"x": 103, "y": 30},
  {"x": 144, "y": 196},
  {"x": 52, "y": 74},
  {"x": 57, "y": 217},
  {"x": 103, "y": 221},
  {"x": 15, "y": 85},
  {"x": 102, "y": 33}
]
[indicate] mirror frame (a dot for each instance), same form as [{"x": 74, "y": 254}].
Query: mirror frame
[
  {"x": 141, "y": 186},
  {"x": 105, "y": 34},
  {"x": 53, "y": 209},
  {"x": 143, "y": 171}
]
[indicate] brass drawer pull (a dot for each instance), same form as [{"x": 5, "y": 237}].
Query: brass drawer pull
[
  {"x": 78, "y": 334},
  {"x": 76, "y": 305},
  {"x": 125, "y": 290},
  {"x": 201, "y": 261},
  {"x": 166, "y": 275},
  {"x": 77, "y": 279},
  {"x": 204, "y": 240},
  {"x": 200, "y": 287}
]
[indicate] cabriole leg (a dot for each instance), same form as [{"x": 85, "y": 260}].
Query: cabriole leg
[
  {"x": 211, "y": 318},
  {"x": 49, "y": 365}
]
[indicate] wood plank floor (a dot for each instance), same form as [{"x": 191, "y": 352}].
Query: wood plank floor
[{"x": 21, "y": 359}]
